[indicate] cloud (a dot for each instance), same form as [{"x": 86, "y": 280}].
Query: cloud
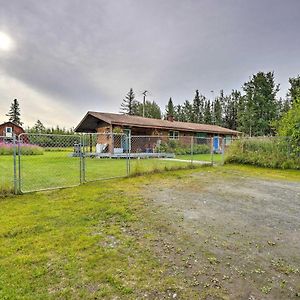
[{"x": 81, "y": 56}]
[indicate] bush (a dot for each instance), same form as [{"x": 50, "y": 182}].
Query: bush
[
  {"x": 178, "y": 148},
  {"x": 270, "y": 152},
  {"x": 26, "y": 149}
]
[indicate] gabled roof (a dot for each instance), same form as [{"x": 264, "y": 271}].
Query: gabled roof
[
  {"x": 11, "y": 123},
  {"x": 89, "y": 123}
]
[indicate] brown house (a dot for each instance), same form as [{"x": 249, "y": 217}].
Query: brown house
[
  {"x": 150, "y": 132},
  {"x": 8, "y": 129}
]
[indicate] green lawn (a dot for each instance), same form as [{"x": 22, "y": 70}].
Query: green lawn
[
  {"x": 77, "y": 243},
  {"x": 94, "y": 241},
  {"x": 58, "y": 169}
]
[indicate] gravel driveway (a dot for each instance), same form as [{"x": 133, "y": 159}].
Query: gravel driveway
[{"x": 234, "y": 237}]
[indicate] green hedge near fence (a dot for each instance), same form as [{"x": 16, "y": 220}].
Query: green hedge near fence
[
  {"x": 270, "y": 152},
  {"x": 182, "y": 149}
]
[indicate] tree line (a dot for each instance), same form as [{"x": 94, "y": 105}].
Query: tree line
[{"x": 254, "y": 110}]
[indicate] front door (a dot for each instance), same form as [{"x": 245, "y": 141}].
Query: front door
[
  {"x": 125, "y": 140},
  {"x": 216, "y": 143}
]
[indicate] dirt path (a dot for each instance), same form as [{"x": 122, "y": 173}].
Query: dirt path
[{"x": 233, "y": 237}]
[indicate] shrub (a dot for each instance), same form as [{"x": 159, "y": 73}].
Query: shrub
[
  {"x": 270, "y": 152},
  {"x": 178, "y": 148},
  {"x": 26, "y": 149}
]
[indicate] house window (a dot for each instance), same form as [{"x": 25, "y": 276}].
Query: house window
[
  {"x": 228, "y": 139},
  {"x": 8, "y": 132},
  {"x": 174, "y": 135},
  {"x": 201, "y": 138},
  {"x": 8, "y": 129}
]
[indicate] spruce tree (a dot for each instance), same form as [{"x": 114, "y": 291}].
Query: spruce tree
[
  {"x": 217, "y": 112},
  {"x": 198, "y": 106},
  {"x": 170, "y": 110},
  {"x": 127, "y": 106},
  {"x": 14, "y": 113},
  {"x": 260, "y": 106},
  {"x": 207, "y": 116},
  {"x": 187, "y": 111},
  {"x": 39, "y": 127}
]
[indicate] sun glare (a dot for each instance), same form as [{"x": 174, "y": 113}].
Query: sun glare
[{"x": 6, "y": 43}]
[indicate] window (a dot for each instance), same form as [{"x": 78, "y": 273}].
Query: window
[
  {"x": 201, "y": 138},
  {"x": 174, "y": 135},
  {"x": 228, "y": 139},
  {"x": 8, "y": 129}
]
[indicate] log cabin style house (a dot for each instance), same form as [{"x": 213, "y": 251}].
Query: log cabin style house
[{"x": 150, "y": 132}]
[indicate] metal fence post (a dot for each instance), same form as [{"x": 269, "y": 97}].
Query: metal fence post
[
  {"x": 15, "y": 164},
  {"x": 223, "y": 150},
  {"x": 19, "y": 166},
  {"x": 129, "y": 154},
  {"x": 192, "y": 149},
  {"x": 212, "y": 150},
  {"x": 82, "y": 159}
]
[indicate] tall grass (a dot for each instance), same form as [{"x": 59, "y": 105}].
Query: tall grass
[
  {"x": 26, "y": 149},
  {"x": 271, "y": 152}
]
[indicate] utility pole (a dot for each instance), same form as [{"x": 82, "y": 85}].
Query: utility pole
[{"x": 144, "y": 102}]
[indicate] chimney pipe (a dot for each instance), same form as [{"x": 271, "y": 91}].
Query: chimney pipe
[{"x": 170, "y": 118}]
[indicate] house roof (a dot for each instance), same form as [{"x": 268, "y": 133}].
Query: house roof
[
  {"x": 90, "y": 121},
  {"x": 11, "y": 123}
]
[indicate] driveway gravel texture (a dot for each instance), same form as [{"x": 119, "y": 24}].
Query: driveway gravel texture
[{"x": 229, "y": 235}]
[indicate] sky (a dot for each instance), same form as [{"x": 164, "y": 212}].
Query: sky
[{"x": 65, "y": 57}]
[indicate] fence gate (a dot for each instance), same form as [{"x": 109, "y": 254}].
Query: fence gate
[
  {"x": 105, "y": 156},
  {"x": 48, "y": 161}
]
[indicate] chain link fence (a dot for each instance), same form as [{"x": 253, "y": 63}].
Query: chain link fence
[
  {"x": 47, "y": 161},
  {"x": 8, "y": 171}
]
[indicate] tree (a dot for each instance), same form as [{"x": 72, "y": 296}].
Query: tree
[
  {"x": 217, "y": 112},
  {"x": 187, "y": 111},
  {"x": 198, "y": 107},
  {"x": 14, "y": 113},
  {"x": 289, "y": 126},
  {"x": 127, "y": 106},
  {"x": 39, "y": 127},
  {"x": 152, "y": 110},
  {"x": 294, "y": 90},
  {"x": 230, "y": 110},
  {"x": 260, "y": 106},
  {"x": 179, "y": 116},
  {"x": 207, "y": 115},
  {"x": 170, "y": 110}
]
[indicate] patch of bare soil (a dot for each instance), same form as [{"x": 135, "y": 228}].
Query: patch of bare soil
[{"x": 231, "y": 237}]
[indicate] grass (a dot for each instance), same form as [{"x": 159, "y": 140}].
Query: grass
[
  {"x": 201, "y": 157},
  {"x": 80, "y": 243},
  {"x": 57, "y": 169},
  {"x": 90, "y": 242}
]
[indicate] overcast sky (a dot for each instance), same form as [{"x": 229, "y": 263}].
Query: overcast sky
[{"x": 71, "y": 56}]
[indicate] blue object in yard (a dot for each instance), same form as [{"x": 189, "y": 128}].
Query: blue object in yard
[{"x": 216, "y": 143}]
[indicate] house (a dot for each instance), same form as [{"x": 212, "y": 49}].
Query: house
[
  {"x": 8, "y": 129},
  {"x": 150, "y": 132}
]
